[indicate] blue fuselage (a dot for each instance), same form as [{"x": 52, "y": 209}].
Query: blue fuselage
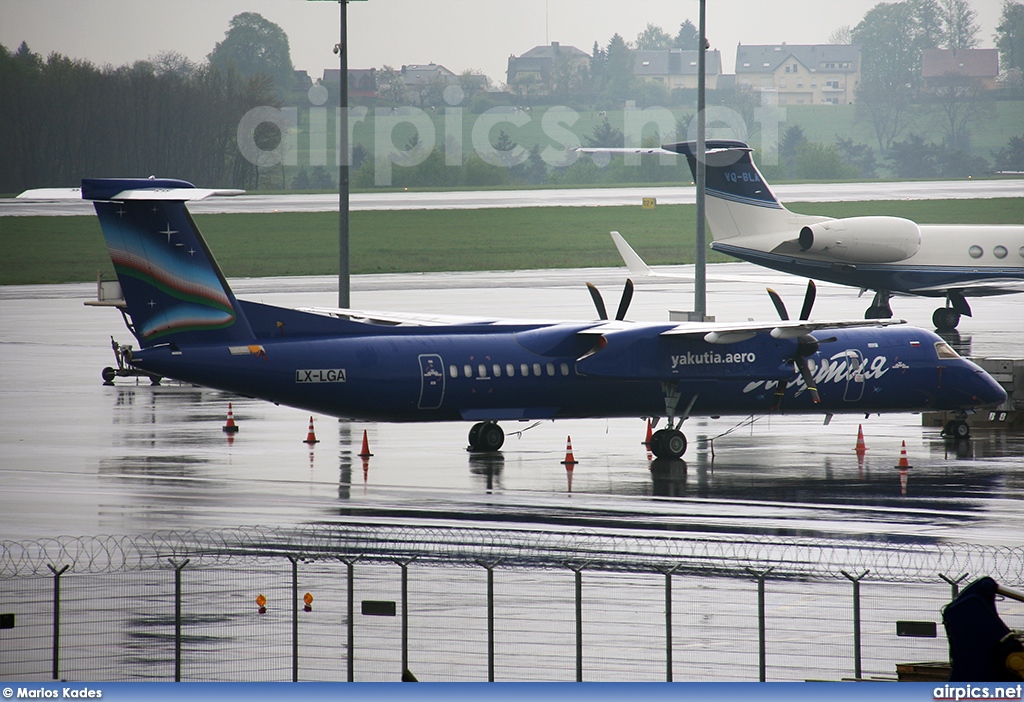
[{"x": 483, "y": 372}]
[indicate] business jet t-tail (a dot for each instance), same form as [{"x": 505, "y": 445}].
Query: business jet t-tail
[{"x": 418, "y": 368}]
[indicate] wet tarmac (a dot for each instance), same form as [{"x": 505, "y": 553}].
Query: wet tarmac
[{"x": 83, "y": 458}]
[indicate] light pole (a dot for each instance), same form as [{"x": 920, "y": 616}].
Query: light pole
[
  {"x": 700, "y": 304},
  {"x": 344, "y": 266}
]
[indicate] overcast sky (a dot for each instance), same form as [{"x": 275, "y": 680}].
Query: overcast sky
[{"x": 460, "y": 34}]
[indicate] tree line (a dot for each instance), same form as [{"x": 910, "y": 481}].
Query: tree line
[{"x": 64, "y": 118}]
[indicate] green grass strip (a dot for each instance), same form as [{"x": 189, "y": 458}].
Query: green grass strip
[{"x": 70, "y": 249}]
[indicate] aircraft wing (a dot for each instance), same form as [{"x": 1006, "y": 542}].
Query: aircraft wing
[
  {"x": 730, "y": 333},
  {"x": 414, "y": 319},
  {"x": 976, "y": 288},
  {"x": 727, "y": 333}
]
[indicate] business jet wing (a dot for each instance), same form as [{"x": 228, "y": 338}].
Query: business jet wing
[{"x": 977, "y": 288}]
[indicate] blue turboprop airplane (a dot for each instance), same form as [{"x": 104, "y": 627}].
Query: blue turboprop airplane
[{"x": 408, "y": 368}]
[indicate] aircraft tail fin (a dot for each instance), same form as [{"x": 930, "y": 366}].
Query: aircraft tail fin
[
  {"x": 173, "y": 288},
  {"x": 739, "y": 201}
]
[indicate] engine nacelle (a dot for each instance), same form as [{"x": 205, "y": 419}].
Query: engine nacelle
[{"x": 863, "y": 239}]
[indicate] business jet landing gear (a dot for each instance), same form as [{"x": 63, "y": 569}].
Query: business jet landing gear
[
  {"x": 485, "y": 437},
  {"x": 945, "y": 319},
  {"x": 668, "y": 443},
  {"x": 879, "y": 306}
]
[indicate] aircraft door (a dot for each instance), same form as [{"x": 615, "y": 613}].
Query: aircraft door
[
  {"x": 431, "y": 381},
  {"x": 854, "y": 375}
]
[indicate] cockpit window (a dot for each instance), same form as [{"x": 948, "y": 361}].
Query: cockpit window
[{"x": 944, "y": 350}]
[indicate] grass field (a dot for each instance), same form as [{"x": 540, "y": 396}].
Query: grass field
[{"x": 70, "y": 249}]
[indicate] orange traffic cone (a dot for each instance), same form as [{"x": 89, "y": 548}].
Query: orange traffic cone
[
  {"x": 230, "y": 427},
  {"x": 365, "y": 451},
  {"x": 903, "y": 458},
  {"x": 860, "y": 447},
  {"x": 569, "y": 459},
  {"x": 311, "y": 437},
  {"x": 647, "y": 442}
]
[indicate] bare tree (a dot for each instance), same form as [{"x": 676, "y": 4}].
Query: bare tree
[
  {"x": 959, "y": 102},
  {"x": 841, "y": 35},
  {"x": 959, "y": 24}
]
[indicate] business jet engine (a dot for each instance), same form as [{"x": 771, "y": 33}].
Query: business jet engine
[{"x": 862, "y": 239}]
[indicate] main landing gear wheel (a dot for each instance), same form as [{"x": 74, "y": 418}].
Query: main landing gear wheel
[
  {"x": 957, "y": 429},
  {"x": 486, "y": 436},
  {"x": 945, "y": 319},
  {"x": 668, "y": 443}
]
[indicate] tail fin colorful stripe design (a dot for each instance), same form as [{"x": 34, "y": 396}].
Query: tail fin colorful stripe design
[{"x": 173, "y": 288}]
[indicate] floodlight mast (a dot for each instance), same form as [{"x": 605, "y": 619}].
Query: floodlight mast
[
  {"x": 700, "y": 305},
  {"x": 344, "y": 265}
]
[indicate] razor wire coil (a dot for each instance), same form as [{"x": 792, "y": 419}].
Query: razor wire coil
[{"x": 730, "y": 556}]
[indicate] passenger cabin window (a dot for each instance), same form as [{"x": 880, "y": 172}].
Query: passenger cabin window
[
  {"x": 1000, "y": 252},
  {"x": 536, "y": 369},
  {"x": 467, "y": 370},
  {"x": 975, "y": 251},
  {"x": 565, "y": 369},
  {"x": 453, "y": 371},
  {"x": 944, "y": 350},
  {"x": 524, "y": 370}
]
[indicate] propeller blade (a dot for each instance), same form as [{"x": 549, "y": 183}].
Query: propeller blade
[
  {"x": 812, "y": 291},
  {"x": 805, "y": 371},
  {"x": 627, "y": 297},
  {"x": 780, "y": 306},
  {"x": 595, "y": 294}
]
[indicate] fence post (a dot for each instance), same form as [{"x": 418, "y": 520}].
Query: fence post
[
  {"x": 954, "y": 584},
  {"x": 490, "y": 615},
  {"x": 177, "y": 615},
  {"x": 578, "y": 570},
  {"x": 350, "y": 563},
  {"x": 56, "y": 617},
  {"x": 405, "y": 612},
  {"x": 856, "y": 619},
  {"x": 762, "y": 667},
  {"x": 668, "y": 618},
  {"x": 295, "y": 617}
]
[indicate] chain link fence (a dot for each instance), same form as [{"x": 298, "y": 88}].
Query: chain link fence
[{"x": 473, "y": 604}]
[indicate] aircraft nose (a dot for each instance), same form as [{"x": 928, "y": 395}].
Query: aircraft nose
[{"x": 986, "y": 390}]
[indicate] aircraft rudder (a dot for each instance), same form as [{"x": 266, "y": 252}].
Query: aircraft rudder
[
  {"x": 730, "y": 172},
  {"x": 173, "y": 288}
]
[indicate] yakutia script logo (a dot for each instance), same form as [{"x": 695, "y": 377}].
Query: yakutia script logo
[{"x": 840, "y": 368}]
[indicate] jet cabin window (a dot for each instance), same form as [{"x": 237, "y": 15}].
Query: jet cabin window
[{"x": 945, "y": 351}]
